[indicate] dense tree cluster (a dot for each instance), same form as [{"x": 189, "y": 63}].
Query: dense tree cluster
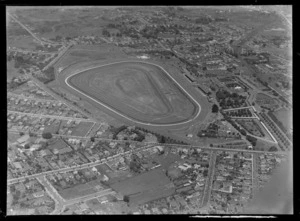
[
  {"x": 273, "y": 148},
  {"x": 230, "y": 100},
  {"x": 47, "y": 135},
  {"x": 116, "y": 131},
  {"x": 135, "y": 164},
  {"x": 105, "y": 33},
  {"x": 251, "y": 139},
  {"x": 239, "y": 113},
  {"x": 251, "y": 126},
  {"x": 235, "y": 125},
  {"x": 49, "y": 74},
  {"x": 14, "y": 83},
  {"x": 162, "y": 138},
  {"x": 279, "y": 123},
  {"x": 215, "y": 108},
  {"x": 203, "y": 20}
]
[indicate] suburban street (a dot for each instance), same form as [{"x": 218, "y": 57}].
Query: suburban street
[
  {"x": 61, "y": 53},
  {"x": 61, "y": 203},
  {"x": 57, "y": 97},
  {"x": 68, "y": 169},
  {"x": 30, "y": 32},
  {"x": 209, "y": 180},
  {"x": 34, "y": 52},
  {"x": 21, "y": 96},
  {"x": 49, "y": 116}
]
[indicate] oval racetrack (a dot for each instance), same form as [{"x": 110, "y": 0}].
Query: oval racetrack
[{"x": 141, "y": 92}]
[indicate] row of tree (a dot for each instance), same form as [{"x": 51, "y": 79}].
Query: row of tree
[
  {"x": 236, "y": 126},
  {"x": 162, "y": 138}
]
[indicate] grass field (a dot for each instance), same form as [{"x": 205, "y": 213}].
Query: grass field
[
  {"x": 82, "y": 129},
  {"x": 145, "y": 187},
  {"x": 140, "y": 91},
  {"x": 142, "y": 182},
  {"x": 11, "y": 70},
  {"x": 80, "y": 53},
  {"x": 81, "y": 190},
  {"x": 266, "y": 101},
  {"x": 12, "y": 137},
  {"x": 285, "y": 117},
  {"x": 22, "y": 42}
]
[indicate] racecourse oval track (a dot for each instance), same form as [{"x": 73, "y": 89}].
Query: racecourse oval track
[{"x": 163, "y": 109}]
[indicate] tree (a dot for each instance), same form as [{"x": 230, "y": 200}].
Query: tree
[
  {"x": 105, "y": 33},
  {"x": 92, "y": 139},
  {"x": 215, "y": 108},
  {"x": 47, "y": 135},
  {"x": 21, "y": 133},
  {"x": 273, "y": 148},
  {"x": 243, "y": 132},
  {"x": 126, "y": 198},
  {"x": 252, "y": 140}
]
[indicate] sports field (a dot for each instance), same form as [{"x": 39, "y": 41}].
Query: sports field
[
  {"x": 138, "y": 91},
  {"x": 145, "y": 187},
  {"x": 82, "y": 190}
]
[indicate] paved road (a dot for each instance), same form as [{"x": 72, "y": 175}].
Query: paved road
[
  {"x": 209, "y": 180},
  {"x": 104, "y": 39},
  {"x": 286, "y": 19},
  {"x": 68, "y": 169},
  {"x": 253, "y": 178},
  {"x": 58, "y": 57},
  {"x": 32, "y": 98},
  {"x": 238, "y": 108},
  {"x": 91, "y": 164},
  {"x": 173, "y": 145},
  {"x": 61, "y": 203},
  {"x": 30, "y": 32},
  {"x": 69, "y": 104},
  {"x": 49, "y": 116},
  {"x": 35, "y": 52},
  {"x": 90, "y": 196},
  {"x": 162, "y": 45},
  {"x": 245, "y": 117}
]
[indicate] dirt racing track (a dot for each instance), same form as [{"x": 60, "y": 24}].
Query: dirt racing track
[{"x": 138, "y": 91}]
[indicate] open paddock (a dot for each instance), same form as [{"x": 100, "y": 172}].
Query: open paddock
[
  {"x": 145, "y": 187},
  {"x": 81, "y": 190}
]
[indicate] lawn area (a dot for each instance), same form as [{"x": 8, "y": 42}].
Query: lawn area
[
  {"x": 264, "y": 146},
  {"x": 167, "y": 160},
  {"x": 12, "y": 137},
  {"x": 82, "y": 53},
  {"x": 152, "y": 194},
  {"x": 22, "y": 42},
  {"x": 82, "y": 129},
  {"x": 266, "y": 101},
  {"x": 81, "y": 190},
  {"x": 114, "y": 176},
  {"x": 285, "y": 117},
  {"x": 145, "y": 187},
  {"x": 141, "y": 183},
  {"x": 11, "y": 70},
  {"x": 54, "y": 127}
]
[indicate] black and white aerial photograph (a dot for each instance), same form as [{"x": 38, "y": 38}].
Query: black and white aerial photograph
[{"x": 146, "y": 110}]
